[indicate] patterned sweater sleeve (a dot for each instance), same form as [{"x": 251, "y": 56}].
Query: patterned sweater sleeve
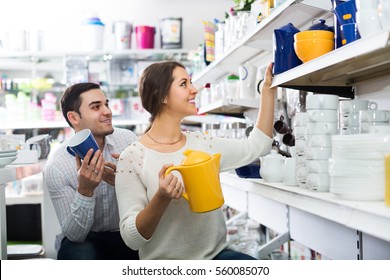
[
  {"x": 131, "y": 195},
  {"x": 239, "y": 152}
]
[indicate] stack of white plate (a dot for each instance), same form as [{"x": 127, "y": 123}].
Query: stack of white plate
[
  {"x": 356, "y": 167},
  {"x": 7, "y": 157}
]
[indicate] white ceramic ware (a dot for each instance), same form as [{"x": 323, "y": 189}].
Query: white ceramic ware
[
  {"x": 318, "y": 153},
  {"x": 364, "y": 127},
  {"x": 329, "y": 128},
  {"x": 317, "y": 166},
  {"x": 368, "y": 22},
  {"x": 318, "y": 182},
  {"x": 384, "y": 13},
  {"x": 314, "y": 115},
  {"x": 301, "y": 174},
  {"x": 350, "y": 119},
  {"x": 322, "y": 101},
  {"x": 355, "y": 105},
  {"x": 379, "y": 129},
  {"x": 289, "y": 172},
  {"x": 4, "y": 161},
  {"x": 349, "y": 130},
  {"x": 374, "y": 115},
  {"x": 271, "y": 167},
  {"x": 300, "y": 119},
  {"x": 320, "y": 141}
]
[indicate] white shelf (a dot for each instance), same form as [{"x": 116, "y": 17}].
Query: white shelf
[
  {"x": 256, "y": 45},
  {"x": 15, "y": 172},
  {"x": 24, "y": 199},
  {"x": 259, "y": 42},
  {"x": 8, "y": 174},
  {"x": 133, "y": 53},
  {"x": 372, "y": 218},
  {"x": 53, "y": 61},
  {"x": 230, "y": 105},
  {"x": 359, "y": 61}
]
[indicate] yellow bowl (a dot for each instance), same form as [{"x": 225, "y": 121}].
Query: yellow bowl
[
  {"x": 307, "y": 50},
  {"x": 314, "y": 34}
]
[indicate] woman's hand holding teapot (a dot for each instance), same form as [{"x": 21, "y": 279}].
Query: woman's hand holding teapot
[{"x": 169, "y": 185}]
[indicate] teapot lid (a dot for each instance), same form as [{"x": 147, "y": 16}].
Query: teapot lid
[
  {"x": 274, "y": 154},
  {"x": 288, "y": 28},
  {"x": 194, "y": 157},
  {"x": 321, "y": 26},
  {"x": 38, "y": 138}
]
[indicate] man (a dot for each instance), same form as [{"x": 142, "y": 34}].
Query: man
[{"x": 82, "y": 191}]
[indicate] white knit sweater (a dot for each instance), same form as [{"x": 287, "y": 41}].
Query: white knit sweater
[{"x": 181, "y": 233}]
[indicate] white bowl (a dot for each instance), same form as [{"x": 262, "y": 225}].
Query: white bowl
[
  {"x": 12, "y": 154},
  {"x": 6, "y": 160},
  {"x": 8, "y": 151}
]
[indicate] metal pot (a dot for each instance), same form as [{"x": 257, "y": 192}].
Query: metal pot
[{"x": 41, "y": 143}]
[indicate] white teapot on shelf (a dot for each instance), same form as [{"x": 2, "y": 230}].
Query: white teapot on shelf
[{"x": 271, "y": 167}]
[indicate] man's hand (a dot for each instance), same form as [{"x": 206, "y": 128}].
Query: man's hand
[
  {"x": 90, "y": 172},
  {"x": 109, "y": 171}
]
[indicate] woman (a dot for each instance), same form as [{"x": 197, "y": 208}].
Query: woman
[{"x": 154, "y": 218}]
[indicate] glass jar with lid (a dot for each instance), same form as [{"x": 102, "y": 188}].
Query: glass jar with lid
[{"x": 232, "y": 86}]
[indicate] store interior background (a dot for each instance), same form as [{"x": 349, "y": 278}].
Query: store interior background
[{"x": 60, "y": 22}]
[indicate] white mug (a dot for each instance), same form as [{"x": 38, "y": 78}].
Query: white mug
[
  {"x": 320, "y": 141},
  {"x": 317, "y": 166},
  {"x": 322, "y": 101},
  {"x": 318, "y": 182},
  {"x": 355, "y": 105},
  {"x": 299, "y": 132},
  {"x": 366, "y": 4},
  {"x": 365, "y": 126},
  {"x": 345, "y": 130},
  {"x": 301, "y": 161},
  {"x": 247, "y": 73},
  {"x": 374, "y": 115},
  {"x": 301, "y": 174},
  {"x": 379, "y": 129},
  {"x": 330, "y": 128},
  {"x": 300, "y": 145},
  {"x": 314, "y": 115},
  {"x": 351, "y": 119},
  {"x": 318, "y": 153},
  {"x": 300, "y": 119},
  {"x": 368, "y": 21},
  {"x": 289, "y": 172}
]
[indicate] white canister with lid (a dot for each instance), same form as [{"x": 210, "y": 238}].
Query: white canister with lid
[
  {"x": 92, "y": 34},
  {"x": 122, "y": 31},
  {"x": 247, "y": 74}
]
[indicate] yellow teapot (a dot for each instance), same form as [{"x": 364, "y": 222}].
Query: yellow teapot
[{"x": 200, "y": 173}]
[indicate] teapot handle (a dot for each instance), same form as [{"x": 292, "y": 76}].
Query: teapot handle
[{"x": 177, "y": 168}]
